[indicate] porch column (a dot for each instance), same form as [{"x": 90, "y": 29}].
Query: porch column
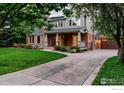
[
  {"x": 41, "y": 41},
  {"x": 35, "y": 39},
  {"x": 79, "y": 38},
  {"x": 57, "y": 39},
  {"x": 60, "y": 42},
  {"x": 46, "y": 41}
]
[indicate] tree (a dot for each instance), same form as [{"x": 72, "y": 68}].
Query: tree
[
  {"x": 108, "y": 19},
  {"x": 22, "y": 18}
]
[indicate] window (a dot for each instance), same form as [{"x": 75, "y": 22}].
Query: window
[
  {"x": 85, "y": 20},
  {"x": 38, "y": 39},
  {"x": 61, "y": 23},
  {"x": 32, "y": 39},
  {"x": 70, "y": 22},
  {"x": 55, "y": 24}
]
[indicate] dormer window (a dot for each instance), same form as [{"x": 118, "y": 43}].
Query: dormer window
[{"x": 59, "y": 23}]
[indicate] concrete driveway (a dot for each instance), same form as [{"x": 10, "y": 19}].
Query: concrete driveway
[{"x": 71, "y": 70}]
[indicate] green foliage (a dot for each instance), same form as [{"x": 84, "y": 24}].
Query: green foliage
[
  {"x": 105, "y": 17},
  {"x": 22, "y": 18},
  {"x": 23, "y": 45},
  {"x": 6, "y": 38},
  {"x": 28, "y": 46},
  {"x": 57, "y": 48},
  {"x": 72, "y": 49},
  {"x": 35, "y": 47},
  {"x": 75, "y": 48},
  {"x": 63, "y": 49}
]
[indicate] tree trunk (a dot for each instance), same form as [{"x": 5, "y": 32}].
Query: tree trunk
[
  {"x": 117, "y": 38},
  {"x": 118, "y": 44},
  {"x": 121, "y": 52}
]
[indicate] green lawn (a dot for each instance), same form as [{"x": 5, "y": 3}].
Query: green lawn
[
  {"x": 14, "y": 59},
  {"x": 111, "y": 73}
]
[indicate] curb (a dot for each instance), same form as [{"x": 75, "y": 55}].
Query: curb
[{"x": 93, "y": 75}]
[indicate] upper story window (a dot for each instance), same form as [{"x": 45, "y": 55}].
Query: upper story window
[
  {"x": 85, "y": 20},
  {"x": 64, "y": 23},
  {"x": 70, "y": 22},
  {"x": 59, "y": 24}
]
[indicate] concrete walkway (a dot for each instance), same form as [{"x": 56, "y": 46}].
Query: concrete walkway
[{"x": 71, "y": 70}]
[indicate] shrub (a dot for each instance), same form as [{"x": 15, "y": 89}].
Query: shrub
[
  {"x": 35, "y": 47},
  {"x": 29, "y": 46},
  {"x": 23, "y": 45},
  {"x": 74, "y": 49},
  {"x": 57, "y": 48},
  {"x": 64, "y": 49}
]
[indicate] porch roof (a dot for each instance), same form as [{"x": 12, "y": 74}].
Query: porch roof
[{"x": 66, "y": 29}]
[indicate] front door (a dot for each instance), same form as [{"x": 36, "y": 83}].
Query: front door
[
  {"x": 74, "y": 39},
  {"x": 67, "y": 39}
]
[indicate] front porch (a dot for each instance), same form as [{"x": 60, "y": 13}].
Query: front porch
[
  {"x": 62, "y": 39},
  {"x": 65, "y": 39}
]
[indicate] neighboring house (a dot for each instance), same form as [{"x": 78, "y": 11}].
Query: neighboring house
[{"x": 66, "y": 32}]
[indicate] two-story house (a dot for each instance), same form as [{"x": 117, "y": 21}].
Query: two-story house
[{"x": 66, "y": 32}]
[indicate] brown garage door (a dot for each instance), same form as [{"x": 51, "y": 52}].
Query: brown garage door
[{"x": 108, "y": 44}]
